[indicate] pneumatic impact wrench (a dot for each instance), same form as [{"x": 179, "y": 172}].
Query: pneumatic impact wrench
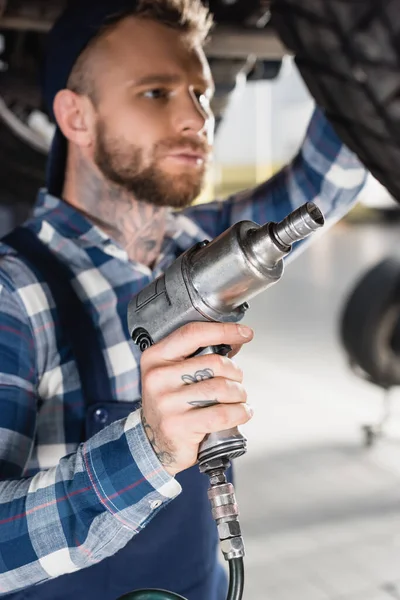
[{"x": 213, "y": 281}]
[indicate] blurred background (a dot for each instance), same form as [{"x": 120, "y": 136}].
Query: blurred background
[
  {"x": 319, "y": 495},
  {"x": 320, "y": 507}
]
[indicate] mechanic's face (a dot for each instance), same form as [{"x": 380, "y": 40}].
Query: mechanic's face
[{"x": 154, "y": 125}]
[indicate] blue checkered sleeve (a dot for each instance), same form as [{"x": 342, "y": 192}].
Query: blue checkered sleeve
[
  {"x": 324, "y": 171},
  {"x": 88, "y": 506}
]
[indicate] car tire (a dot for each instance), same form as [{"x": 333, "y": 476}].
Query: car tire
[
  {"x": 349, "y": 56},
  {"x": 370, "y": 324}
]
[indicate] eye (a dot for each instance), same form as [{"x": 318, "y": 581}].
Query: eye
[
  {"x": 156, "y": 94},
  {"x": 202, "y": 98}
]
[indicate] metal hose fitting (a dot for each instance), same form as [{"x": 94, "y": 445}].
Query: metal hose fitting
[{"x": 225, "y": 512}]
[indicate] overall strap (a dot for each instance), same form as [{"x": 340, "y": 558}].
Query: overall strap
[{"x": 75, "y": 322}]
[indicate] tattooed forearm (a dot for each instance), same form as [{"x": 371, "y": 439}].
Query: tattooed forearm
[
  {"x": 165, "y": 457},
  {"x": 201, "y": 375},
  {"x": 203, "y": 403}
]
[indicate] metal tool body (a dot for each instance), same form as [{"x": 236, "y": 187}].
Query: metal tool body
[{"x": 213, "y": 281}]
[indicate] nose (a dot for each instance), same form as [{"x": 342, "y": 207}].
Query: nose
[{"x": 193, "y": 117}]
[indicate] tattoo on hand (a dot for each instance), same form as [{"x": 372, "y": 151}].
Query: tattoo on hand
[
  {"x": 201, "y": 375},
  {"x": 165, "y": 458},
  {"x": 203, "y": 403}
]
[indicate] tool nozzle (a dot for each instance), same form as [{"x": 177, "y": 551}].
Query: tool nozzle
[{"x": 299, "y": 224}]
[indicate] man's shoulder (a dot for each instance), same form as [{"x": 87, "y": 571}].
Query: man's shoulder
[{"x": 15, "y": 270}]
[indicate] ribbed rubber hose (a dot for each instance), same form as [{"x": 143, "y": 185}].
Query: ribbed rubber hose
[{"x": 236, "y": 579}]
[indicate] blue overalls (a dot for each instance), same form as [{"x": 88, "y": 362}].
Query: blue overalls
[{"x": 177, "y": 550}]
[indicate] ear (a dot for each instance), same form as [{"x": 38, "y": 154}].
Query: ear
[{"x": 75, "y": 117}]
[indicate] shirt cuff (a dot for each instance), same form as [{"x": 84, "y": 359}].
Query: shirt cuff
[{"x": 129, "y": 480}]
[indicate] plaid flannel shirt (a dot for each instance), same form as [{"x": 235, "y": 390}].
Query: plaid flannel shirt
[{"x": 65, "y": 505}]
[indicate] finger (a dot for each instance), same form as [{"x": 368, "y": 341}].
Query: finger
[
  {"x": 206, "y": 393},
  {"x": 217, "y": 418},
  {"x": 188, "y": 339},
  {"x": 192, "y": 370},
  {"x": 235, "y": 350}
]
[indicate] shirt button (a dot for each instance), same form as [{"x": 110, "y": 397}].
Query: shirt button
[
  {"x": 101, "y": 416},
  {"x": 155, "y": 504}
]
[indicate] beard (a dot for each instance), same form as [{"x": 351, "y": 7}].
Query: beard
[{"x": 124, "y": 164}]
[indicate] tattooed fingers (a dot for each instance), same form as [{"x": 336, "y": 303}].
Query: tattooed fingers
[
  {"x": 199, "y": 375},
  {"x": 175, "y": 388},
  {"x": 209, "y": 392},
  {"x": 192, "y": 371},
  {"x": 203, "y": 403}
]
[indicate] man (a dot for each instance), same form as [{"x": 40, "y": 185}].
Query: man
[{"x": 99, "y": 491}]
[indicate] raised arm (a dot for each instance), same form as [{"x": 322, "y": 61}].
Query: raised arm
[{"x": 324, "y": 171}]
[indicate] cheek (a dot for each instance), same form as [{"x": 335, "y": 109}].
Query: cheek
[{"x": 138, "y": 124}]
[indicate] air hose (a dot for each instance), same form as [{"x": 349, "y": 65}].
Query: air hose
[
  {"x": 225, "y": 512},
  {"x": 235, "y": 591},
  {"x": 236, "y": 579}
]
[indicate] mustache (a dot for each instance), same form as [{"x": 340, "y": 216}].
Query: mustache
[{"x": 175, "y": 145}]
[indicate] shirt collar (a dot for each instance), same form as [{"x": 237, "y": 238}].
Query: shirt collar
[
  {"x": 181, "y": 231},
  {"x": 68, "y": 221}
]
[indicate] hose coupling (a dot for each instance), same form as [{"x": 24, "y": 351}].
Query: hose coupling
[{"x": 225, "y": 512}]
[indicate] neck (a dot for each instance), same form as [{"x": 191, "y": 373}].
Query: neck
[{"x": 138, "y": 226}]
